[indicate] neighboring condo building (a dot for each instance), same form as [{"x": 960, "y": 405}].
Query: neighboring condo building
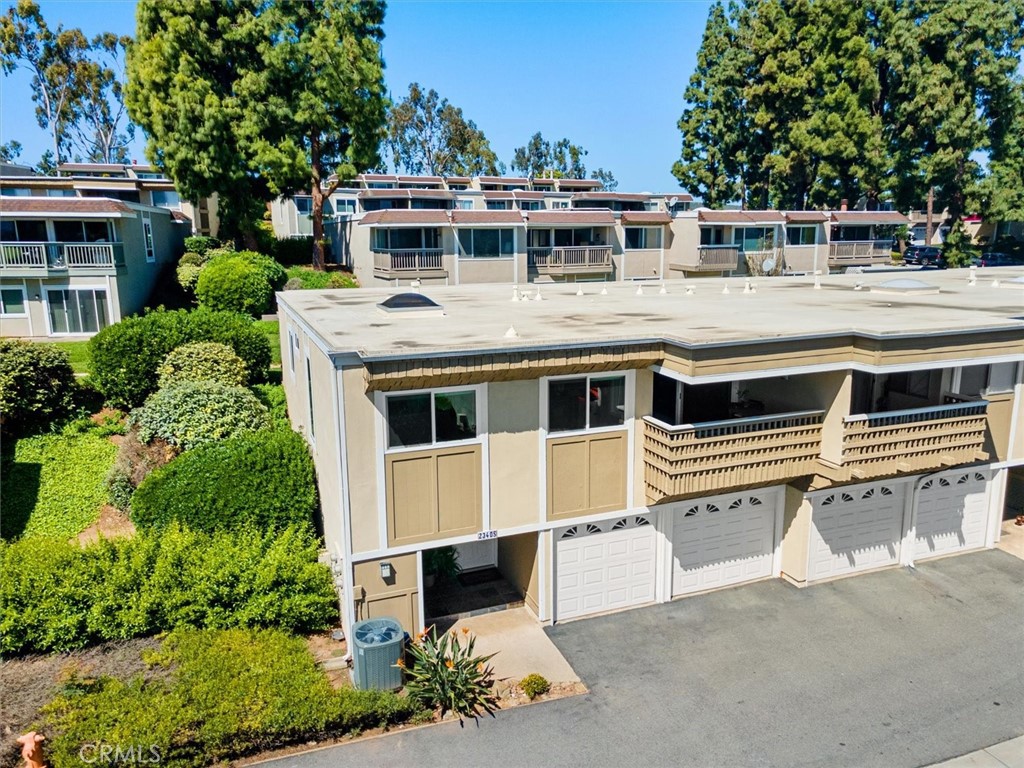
[
  {"x": 611, "y": 446},
  {"x": 393, "y": 230},
  {"x": 81, "y": 251}
]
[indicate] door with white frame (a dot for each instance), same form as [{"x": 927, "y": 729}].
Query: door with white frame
[{"x": 77, "y": 310}]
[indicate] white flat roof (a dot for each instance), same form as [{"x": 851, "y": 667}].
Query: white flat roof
[{"x": 478, "y": 318}]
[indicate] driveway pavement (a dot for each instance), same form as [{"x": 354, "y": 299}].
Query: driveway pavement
[{"x": 898, "y": 668}]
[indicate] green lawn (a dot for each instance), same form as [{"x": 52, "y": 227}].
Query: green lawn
[
  {"x": 53, "y": 484},
  {"x": 272, "y": 329},
  {"x": 78, "y": 351}
]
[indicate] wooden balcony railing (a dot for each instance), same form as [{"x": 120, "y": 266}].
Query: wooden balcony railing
[
  {"x": 914, "y": 440},
  {"x": 733, "y": 453},
  {"x": 717, "y": 258},
  {"x": 583, "y": 258},
  {"x": 60, "y": 256},
  {"x": 860, "y": 251},
  {"x": 407, "y": 260}
]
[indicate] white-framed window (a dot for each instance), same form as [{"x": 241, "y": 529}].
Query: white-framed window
[
  {"x": 166, "y": 198},
  {"x": 488, "y": 243},
  {"x": 464, "y": 205},
  {"x": 979, "y": 380},
  {"x": 293, "y": 349},
  {"x": 559, "y": 203},
  {"x": 431, "y": 417},
  {"x": 13, "y": 302},
  {"x": 309, "y": 394},
  {"x": 639, "y": 238},
  {"x": 77, "y": 231},
  {"x": 344, "y": 205},
  {"x": 802, "y": 234},
  {"x": 77, "y": 310},
  {"x": 147, "y": 238},
  {"x": 584, "y": 403},
  {"x": 498, "y": 205},
  {"x": 531, "y": 205}
]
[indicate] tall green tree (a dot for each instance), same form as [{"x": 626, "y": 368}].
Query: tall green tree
[
  {"x": 561, "y": 159},
  {"x": 59, "y": 65},
  {"x": 10, "y": 151},
  {"x": 187, "y": 88},
  {"x": 102, "y": 130},
  {"x": 427, "y": 134}
]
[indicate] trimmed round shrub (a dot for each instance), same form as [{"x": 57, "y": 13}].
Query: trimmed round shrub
[
  {"x": 126, "y": 355},
  {"x": 37, "y": 385},
  {"x": 264, "y": 480},
  {"x": 201, "y": 243},
  {"x": 192, "y": 413},
  {"x": 203, "y": 361},
  {"x": 274, "y": 272},
  {"x": 188, "y": 276},
  {"x": 235, "y": 285},
  {"x": 293, "y": 284},
  {"x": 194, "y": 259}
]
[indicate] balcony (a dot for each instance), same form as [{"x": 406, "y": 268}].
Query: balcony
[
  {"x": 914, "y": 440},
  {"x": 717, "y": 258},
  {"x": 408, "y": 262},
  {"x": 37, "y": 258},
  {"x": 572, "y": 260},
  {"x": 714, "y": 456},
  {"x": 851, "y": 253}
]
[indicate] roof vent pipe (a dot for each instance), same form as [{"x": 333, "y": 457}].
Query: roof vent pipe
[
  {"x": 844, "y": 204},
  {"x": 640, "y": 290},
  {"x": 817, "y": 280}
]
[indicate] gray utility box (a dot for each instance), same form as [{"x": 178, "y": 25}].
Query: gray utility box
[{"x": 378, "y": 644}]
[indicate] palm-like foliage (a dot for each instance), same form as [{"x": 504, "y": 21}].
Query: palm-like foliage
[{"x": 445, "y": 673}]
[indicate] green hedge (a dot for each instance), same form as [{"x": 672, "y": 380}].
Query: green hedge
[
  {"x": 203, "y": 361},
  {"x": 242, "y": 281},
  {"x": 265, "y": 480},
  {"x": 126, "y": 355},
  {"x": 192, "y": 413},
  {"x": 201, "y": 243},
  {"x": 227, "y": 694},
  {"x": 56, "y": 595},
  {"x": 37, "y": 385}
]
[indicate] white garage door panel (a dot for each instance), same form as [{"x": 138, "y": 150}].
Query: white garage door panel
[
  {"x": 716, "y": 544},
  {"x": 602, "y": 570},
  {"x": 952, "y": 512},
  {"x": 856, "y": 529}
]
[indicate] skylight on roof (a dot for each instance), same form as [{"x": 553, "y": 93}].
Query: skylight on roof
[
  {"x": 907, "y": 286},
  {"x": 410, "y": 302}
]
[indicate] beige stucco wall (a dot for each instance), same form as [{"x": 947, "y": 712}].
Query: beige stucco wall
[
  {"x": 642, "y": 405},
  {"x": 325, "y": 447},
  {"x": 502, "y": 270},
  {"x": 397, "y": 597},
  {"x": 796, "y": 529},
  {"x": 517, "y": 561},
  {"x": 363, "y": 453},
  {"x": 682, "y": 245},
  {"x": 1000, "y": 420},
  {"x": 640, "y": 263},
  {"x": 514, "y": 445}
]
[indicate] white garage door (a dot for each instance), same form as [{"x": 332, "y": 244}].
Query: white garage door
[
  {"x": 605, "y": 566},
  {"x": 855, "y": 529},
  {"x": 952, "y": 511},
  {"x": 722, "y": 542}
]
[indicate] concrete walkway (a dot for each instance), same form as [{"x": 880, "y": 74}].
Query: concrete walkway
[
  {"x": 521, "y": 645},
  {"x": 1012, "y": 539},
  {"x": 1009, "y": 754}
]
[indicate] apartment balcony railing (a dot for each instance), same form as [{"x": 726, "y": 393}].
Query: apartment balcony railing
[
  {"x": 60, "y": 256},
  {"x": 860, "y": 252},
  {"x": 717, "y": 258},
  {"x": 584, "y": 258},
  {"x": 408, "y": 262},
  {"x": 914, "y": 440},
  {"x": 714, "y": 456}
]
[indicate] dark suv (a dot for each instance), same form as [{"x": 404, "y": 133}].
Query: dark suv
[
  {"x": 992, "y": 259},
  {"x": 923, "y": 255}
]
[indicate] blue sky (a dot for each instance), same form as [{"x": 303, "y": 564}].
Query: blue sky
[{"x": 608, "y": 75}]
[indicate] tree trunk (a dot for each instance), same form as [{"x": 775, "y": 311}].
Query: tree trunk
[{"x": 317, "y": 193}]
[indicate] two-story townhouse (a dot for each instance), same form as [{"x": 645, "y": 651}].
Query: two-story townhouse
[
  {"x": 70, "y": 265},
  {"x": 607, "y": 446},
  {"x": 618, "y": 236}
]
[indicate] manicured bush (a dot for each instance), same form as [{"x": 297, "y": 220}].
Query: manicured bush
[
  {"x": 37, "y": 385},
  {"x": 188, "y": 276},
  {"x": 265, "y": 480},
  {"x": 313, "y": 280},
  {"x": 271, "y": 270},
  {"x": 126, "y": 355},
  {"x": 56, "y": 595},
  {"x": 203, "y": 361},
  {"x": 445, "y": 674},
  {"x": 535, "y": 685},
  {"x": 192, "y": 413},
  {"x": 201, "y": 243},
  {"x": 194, "y": 259},
  {"x": 227, "y": 694},
  {"x": 53, "y": 483},
  {"x": 293, "y": 284},
  {"x": 272, "y": 396},
  {"x": 235, "y": 285}
]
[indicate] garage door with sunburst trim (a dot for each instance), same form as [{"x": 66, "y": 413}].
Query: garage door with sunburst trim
[
  {"x": 604, "y": 566},
  {"x": 723, "y": 542},
  {"x": 856, "y": 529},
  {"x": 952, "y": 512}
]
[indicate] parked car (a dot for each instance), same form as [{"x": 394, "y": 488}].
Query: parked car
[
  {"x": 923, "y": 255},
  {"x": 994, "y": 259}
]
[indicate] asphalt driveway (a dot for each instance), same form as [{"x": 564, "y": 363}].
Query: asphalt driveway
[{"x": 898, "y": 668}]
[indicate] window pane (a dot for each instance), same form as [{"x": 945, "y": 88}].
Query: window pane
[
  {"x": 32, "y": 231},
  {"x": 68, "y": 231},
  {"x": 12, "y": 301},
  {"x": 58, "y": 301},
  {"x": 96, "y": 232},
  {"x": 408, "y": 420},
  {"x": 485, "y": 243},
  {"x": 607, "y": 401},
  {"x": 973, "y": 379},
  {"x": 455, "y": 416},
  {"x": 101, "y": 309},
  {"x": 87, "y": 311},
  {"x": 507, "y": 242},
  {"x": 1000, "y": 377},
  {"x": 466, "y": 241},
  {"x": 8, "y": 230},
  {"x": 635, "y": 237},
  {"x": 567, "y": 404}
]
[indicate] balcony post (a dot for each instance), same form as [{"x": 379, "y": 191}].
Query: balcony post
[
  {"x": 796, "y": 538},
  {"x": 836, "y": 388}
]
